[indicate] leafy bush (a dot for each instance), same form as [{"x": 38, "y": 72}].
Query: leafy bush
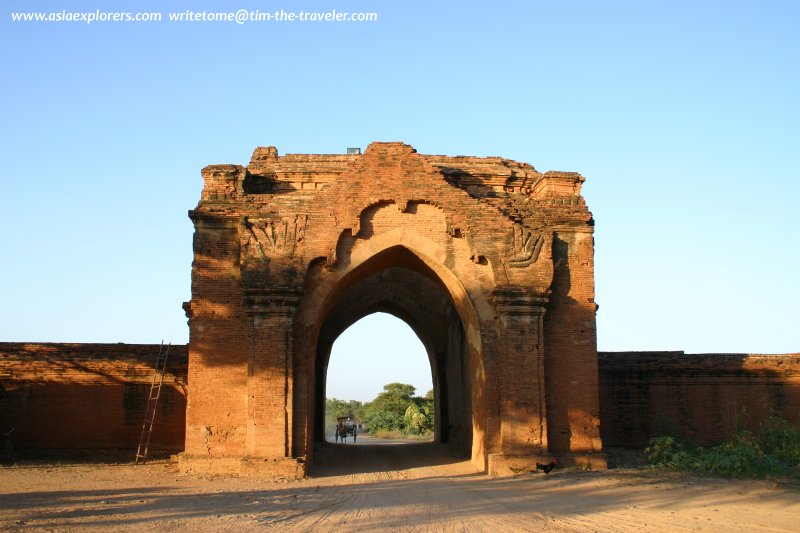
[
  {"x": 417, "y": 420},
  {"x": 781, "y": 440},
  {"x": 667, "y": 452},
  {"x": 741, "y": 457},
  {"x": 774, "y": 452},
  {"x": 385, "y": 420}
]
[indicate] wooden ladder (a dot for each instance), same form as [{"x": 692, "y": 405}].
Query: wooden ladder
[{"x": 152, "y": 403}]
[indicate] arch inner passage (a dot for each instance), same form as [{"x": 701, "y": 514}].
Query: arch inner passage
[
  {"x": 377, "y": 350},
  {"x": 426, "y": 307}
]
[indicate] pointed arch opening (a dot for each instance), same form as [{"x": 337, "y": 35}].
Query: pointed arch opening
[
  {"x": 431, "y": 300},
  {"x": 376, "y": 352}
]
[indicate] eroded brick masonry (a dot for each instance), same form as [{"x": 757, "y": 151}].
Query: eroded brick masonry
[
  {"x": 489, "y": 260},
  {"x": 703, "y": 397},
  {"x": 89, "y": 399},
  {"x": 79, "y": 399}
]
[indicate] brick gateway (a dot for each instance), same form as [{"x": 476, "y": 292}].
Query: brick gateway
[{"x": 487, "y": 259}]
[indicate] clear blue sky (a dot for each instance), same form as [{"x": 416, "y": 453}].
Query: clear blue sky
[
  {"x": 683, "y": 116},
  {"x": 376, "y": 350}
]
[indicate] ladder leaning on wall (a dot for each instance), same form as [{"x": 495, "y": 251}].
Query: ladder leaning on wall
[{"x": 152, "y": 403}]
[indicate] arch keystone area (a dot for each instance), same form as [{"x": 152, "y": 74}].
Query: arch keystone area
[{"x": 488, "y": 260}]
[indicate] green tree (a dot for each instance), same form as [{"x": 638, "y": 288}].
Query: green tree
[
  {"x": 394, "y": 399},
  {"x": 335, "y": 408},
  {"x": 426, "y": 403},
  {"x": 418, "y": 420},
  {"x": 384, "y": 420},
  {"x": 397, "y": 409},
  {"x": 425, "y": 408},
  {"x": 388, "y": 409}
]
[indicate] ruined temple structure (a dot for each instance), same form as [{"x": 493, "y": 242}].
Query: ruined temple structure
[{"x": 487, "y": 259}]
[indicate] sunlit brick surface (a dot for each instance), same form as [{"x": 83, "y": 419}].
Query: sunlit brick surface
[{"x": 489, "y": 260}]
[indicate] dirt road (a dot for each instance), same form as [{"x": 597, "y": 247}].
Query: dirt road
[{"x": 417, "y": 487}]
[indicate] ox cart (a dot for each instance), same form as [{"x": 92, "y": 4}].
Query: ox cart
[{"x": 345, "y": 426}]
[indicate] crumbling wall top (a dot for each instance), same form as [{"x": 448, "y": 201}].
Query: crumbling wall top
[{"x": 482, "y": 177}]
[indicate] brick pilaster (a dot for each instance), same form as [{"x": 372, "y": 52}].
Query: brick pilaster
[
  {"x": 270, "y": 315},
  {"x": 521, "y": 370}
]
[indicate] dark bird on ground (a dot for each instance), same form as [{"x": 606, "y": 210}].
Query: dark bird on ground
[{"x": 546, "y": 468}]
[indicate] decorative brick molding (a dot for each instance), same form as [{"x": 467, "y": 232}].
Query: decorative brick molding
[{"x": 287, "y": 247}]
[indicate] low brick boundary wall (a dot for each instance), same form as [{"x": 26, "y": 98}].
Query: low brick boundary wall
[
  {"x": 700, "y": 396},
  {"x": 87, "y": 398},
  {"x": 90, "y": 398}
]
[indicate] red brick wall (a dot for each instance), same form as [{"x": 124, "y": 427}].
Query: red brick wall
[
  {"x": 700, "y": 396},
  {"x": 280, "y": 242},
  {"x": 570, "y": 339},
  {"x": 216, "y": 417},
  {"x": 84, "y": 398}
]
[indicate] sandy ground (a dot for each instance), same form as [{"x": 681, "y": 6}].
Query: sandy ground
[{"x": 370, "y": 487}]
